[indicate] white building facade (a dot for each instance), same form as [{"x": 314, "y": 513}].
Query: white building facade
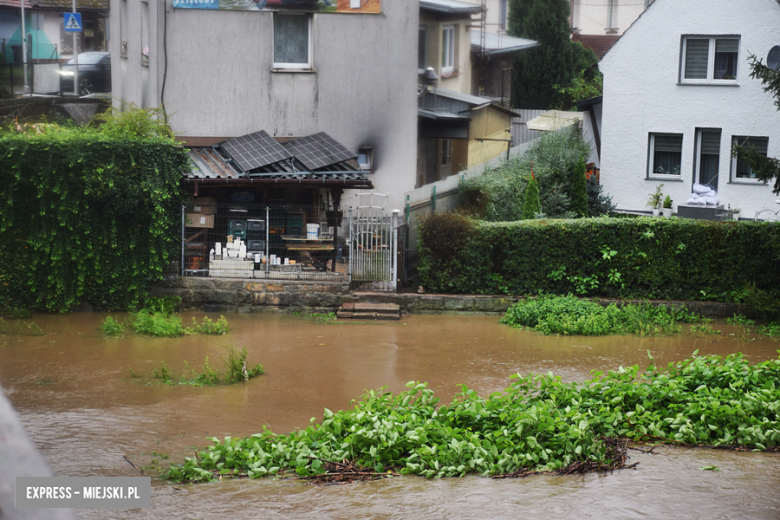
[{"x": 677, "y": 95}]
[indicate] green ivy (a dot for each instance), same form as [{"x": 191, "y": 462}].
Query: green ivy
[
  {"x": 625, "y": 258},
  {"x": 88, "y": 213}
]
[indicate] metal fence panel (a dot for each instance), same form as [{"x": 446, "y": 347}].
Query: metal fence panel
[
  {"x": 372, "y": 248},
  {"x": 520, "y": 132}
]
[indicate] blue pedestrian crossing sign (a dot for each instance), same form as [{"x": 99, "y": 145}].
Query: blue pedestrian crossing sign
[{"x": 72, "y": 22}]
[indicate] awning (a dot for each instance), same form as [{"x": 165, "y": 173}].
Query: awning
[
  {"x": 500, "y": 43},
  {"x": 450, "y": 6},
  {"x": 555, "y": 120}
]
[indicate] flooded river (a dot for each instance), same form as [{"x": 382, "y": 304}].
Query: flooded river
[{"x": 82, "y": 407}]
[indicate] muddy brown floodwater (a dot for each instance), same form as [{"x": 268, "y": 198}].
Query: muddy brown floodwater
[{"x": 80, "y": 405}]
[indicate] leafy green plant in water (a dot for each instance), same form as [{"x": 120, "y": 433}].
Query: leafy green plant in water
[
  {"x": 236, "y": 368},
  {"x": 570, "y": 315},
  {"x": 208, "y": 326},
  {"x": 20, "y": 314},
  {"x": 538, "y": 423},
  {"x": 111, "y": 327},
  {"x": 158, "y": 325},
  {"x": 164, "y": 373}
]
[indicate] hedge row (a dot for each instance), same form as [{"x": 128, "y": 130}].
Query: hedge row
[
  {"x": 626, "y": 258},
  {"x": 86, "y": 216}
]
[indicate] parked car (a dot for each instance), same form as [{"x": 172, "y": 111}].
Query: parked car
[{"x": 94, "y": 73}]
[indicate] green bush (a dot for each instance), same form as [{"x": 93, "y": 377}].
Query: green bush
[
  {"x": 236, "y": 369},
  {"x": 628, "y": 258},
  {"x": 111, "y": 327},
  {"x": 538, "y": 423},
  {"x": 158, "y": 325},
  {"x": 531, "y": 203},
  {"x": 570, "y": 315},
  {"x": 499, "y": 195},
  {"x": 209, "y": 326},
  {"x": 88, "y": 213}
]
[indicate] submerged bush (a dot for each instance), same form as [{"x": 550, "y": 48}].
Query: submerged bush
[
  {"x": 538, "y": 423},
  {"x": 157, "y": 324},
  {"x": 236, "y": 369},
  {"x": 111, "y": 327},
  {"x": 573, "y": 316},
  {"x": 209, "y": 326}
]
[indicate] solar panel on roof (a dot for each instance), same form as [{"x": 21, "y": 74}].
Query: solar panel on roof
[
  {"x": 318, "y": 151},
  {"x": 255, "y": 150}
]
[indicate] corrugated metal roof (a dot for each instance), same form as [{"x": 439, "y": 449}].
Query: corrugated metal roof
[
  {"x": 555, "y": 120},
  {"x": 437, "y": 115},
  {"x": 459, "y": 96},
  {"x": 501, "y": 43},
  {"x": 450, "y": 6},
  {"x": 215, "y": 164}
]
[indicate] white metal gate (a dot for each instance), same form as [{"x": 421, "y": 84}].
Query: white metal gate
[{"x": 373, "y": 242}]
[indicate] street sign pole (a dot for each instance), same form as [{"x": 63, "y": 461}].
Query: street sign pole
[
  {"x": 24, "y": 49},
  {"x": 75, "y": 57}
]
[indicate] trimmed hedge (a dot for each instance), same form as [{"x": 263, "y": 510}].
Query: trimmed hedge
[{"x": 625, "y": 258}]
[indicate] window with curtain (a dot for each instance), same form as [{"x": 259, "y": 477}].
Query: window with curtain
[
  {"x": 291, "y": 41},
  {"x": 665, "y": 154},
  {"x": 741, "y": 170},
  {"x": 708, "y": 145},
  {"x": 709, "y": 60}
]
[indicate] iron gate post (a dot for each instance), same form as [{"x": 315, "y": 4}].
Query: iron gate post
[{"x": 394, "y": 249}]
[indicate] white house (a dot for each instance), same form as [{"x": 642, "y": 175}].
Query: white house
[{"x": 678, "y": 93}]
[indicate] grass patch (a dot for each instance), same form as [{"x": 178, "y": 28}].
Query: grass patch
[
  {"x": 570, "y": 315},
  {"x": 209, "y": 326},
  {"x": 539, "y": 423}
]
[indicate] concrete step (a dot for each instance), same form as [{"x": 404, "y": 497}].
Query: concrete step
[{"x": 369, "y": 311}]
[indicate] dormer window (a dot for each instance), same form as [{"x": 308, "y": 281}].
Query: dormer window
[{"x": 709, "y": 60}]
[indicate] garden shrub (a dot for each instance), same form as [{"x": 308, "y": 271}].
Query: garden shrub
[
  {"x": 88, "y": 213},
  {"x": 531, "y": 203},
  {"x": 629, "y": 258},
  {"x": 499, "y": 195}
]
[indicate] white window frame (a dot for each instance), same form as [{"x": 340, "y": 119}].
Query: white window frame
[
  {"x": 710, "y": 60},
  {"x": 739, "y": 139},
  {"x": 448, "y": 49},
  {"x": 611, "y": 14},
  {"x": 369, "y": 153},
  {"x": 292, "y": 66},
  {"x": 697, "y": 170},
  {"x": 503, "y": 9},
  {"x": 422, "y": 33},
  {"x": 651, "y": 157}
]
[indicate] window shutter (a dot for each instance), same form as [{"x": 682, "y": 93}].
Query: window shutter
[
  {"x": 726, "y": 45},
  {"x": 668, "y": 143},
  {"x": 760, "y": 144},
  {"x": 710, "y": 143},
  {"x": 697, "y": 52}
]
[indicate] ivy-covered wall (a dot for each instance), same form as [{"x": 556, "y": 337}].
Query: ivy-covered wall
[
  {"x": 612, "y": 257},
  {"x": 87, "y": 213}
]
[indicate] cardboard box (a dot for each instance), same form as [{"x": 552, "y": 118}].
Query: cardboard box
[
  {"x": 198, "y": 220},
  {"x": 204, "y": 206}
]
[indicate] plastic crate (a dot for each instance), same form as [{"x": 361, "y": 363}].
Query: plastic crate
[
  {"x": 255, "y": 245},
  {"x": 237, "y": 234},
  {"x": 237, "y": 225},
  {"x": 255, "y": 225}
]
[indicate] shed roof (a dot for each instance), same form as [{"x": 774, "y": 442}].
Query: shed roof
[
  {"x": 450, "y": 6},
  {"x": 500, "y": 43},
  {"x": 67, "y": 6},
  {"x": 211, "y": 165}
]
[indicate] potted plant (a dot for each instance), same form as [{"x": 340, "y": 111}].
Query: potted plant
[
  {"x": 655, "y": 200},
  {"x": 668, "y": 207}
]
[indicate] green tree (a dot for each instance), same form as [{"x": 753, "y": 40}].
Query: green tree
[
  {"x": 765, "y": 168},
  {"x": 579, "y": 189},
  {"x": 539, "y": 70},
  {"x": 531, "y": 204}
]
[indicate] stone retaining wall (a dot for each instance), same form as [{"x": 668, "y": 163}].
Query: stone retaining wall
[{"x": 233, "y": 295}]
